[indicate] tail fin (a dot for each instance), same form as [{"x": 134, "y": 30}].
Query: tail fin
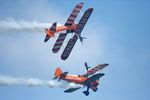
[
  {"x": 50, "y": 32},
  {"x": 58, "y": 73}
]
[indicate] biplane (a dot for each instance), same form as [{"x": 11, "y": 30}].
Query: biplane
[
  {"x": 90, "y": 79},
  {"x": 69, "y": 27}
]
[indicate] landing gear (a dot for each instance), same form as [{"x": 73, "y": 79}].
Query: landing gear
[
  {"x": 95, "y": 90},
  {"x": 87, "y": 92}
]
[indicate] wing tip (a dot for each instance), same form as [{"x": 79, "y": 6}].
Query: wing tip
[
  {"x": 71, "y": 90},
  {"x": 91, "y": 9}
]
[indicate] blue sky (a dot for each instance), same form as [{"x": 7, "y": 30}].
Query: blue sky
[{"x": 117, "y": 33}]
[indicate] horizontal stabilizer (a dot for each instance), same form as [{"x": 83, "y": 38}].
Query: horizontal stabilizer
[
  {"x": 63, "y": 75},
  {"x": 53, "y": 27},
  {"x": 47, "y": 37},
  {"x": 50, "y": 32}
]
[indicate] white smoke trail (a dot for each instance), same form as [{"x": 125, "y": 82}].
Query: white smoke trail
[
  {"x": 32, "y": 82},
  {"x": 12, "y": 25}
]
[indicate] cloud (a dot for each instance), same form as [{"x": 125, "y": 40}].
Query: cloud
[{"x": 33, "y": 82}]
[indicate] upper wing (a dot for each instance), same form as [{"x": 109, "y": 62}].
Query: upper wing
[
  {"x": 83, "y": 21},
  {"x": 71, "y": 90},
  {"x": 95, "y": 69},
  {"x": 93, "y": 78},
  {"x": 74, "y": 14},
  {"x": 78, "y": 31},
  {"x": 69, "y": 21}
]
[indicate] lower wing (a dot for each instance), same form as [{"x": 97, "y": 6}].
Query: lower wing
[
  {"x": 93, "y": 78},
  {"x": 71, "y": 90}
]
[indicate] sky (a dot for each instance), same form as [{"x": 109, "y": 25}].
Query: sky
[{"x": 117, "y": 33}]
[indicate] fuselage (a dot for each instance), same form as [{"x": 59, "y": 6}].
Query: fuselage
[
  {"x": 80, "y": 80},
  {"x": 59, "y": 29},
  {"x": 63, "y": 28},
  {"x": 75, "y": 79}
]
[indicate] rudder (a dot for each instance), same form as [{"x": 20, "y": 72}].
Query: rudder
[{"x": 58, "y": 72}]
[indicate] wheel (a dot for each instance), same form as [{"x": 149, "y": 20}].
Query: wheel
[
  {"x": 86, "y": 93},
  {"x": 95, "y": 90}
]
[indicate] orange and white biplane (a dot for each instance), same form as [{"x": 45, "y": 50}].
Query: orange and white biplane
[
  {"x": 90, "y": 79},
  {"x": 69, "y": 27}
]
